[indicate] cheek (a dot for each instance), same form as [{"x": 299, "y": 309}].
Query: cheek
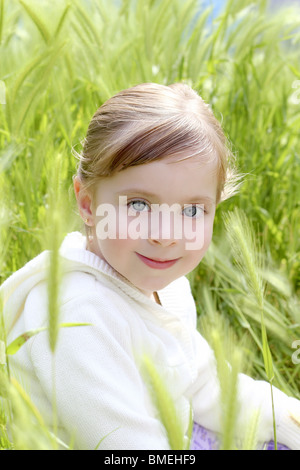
[
  {"x": 198, "y": 234},
  {"x": 208, "y": 232},
  {"x": 116, "y": 249},
  {"x": 117, "y": 234},
  {"x": 197, "y": 245},
  {"x": 134, "y": 227}
]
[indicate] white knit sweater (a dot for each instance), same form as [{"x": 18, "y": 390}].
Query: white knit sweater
[{"x": 100, "y": 391}]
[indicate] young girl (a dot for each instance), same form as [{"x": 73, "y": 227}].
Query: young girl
[{"x": 154, "y": 166}]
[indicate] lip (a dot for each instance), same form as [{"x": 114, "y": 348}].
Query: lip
[{"x": 157, "y": 263}]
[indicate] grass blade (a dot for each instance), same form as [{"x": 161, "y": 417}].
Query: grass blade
[
  {"x": 248, "y": 258},
  {"x": 61, "y": 20},
  {"x": 15, "y": 345},
  {"x": 1, "y": 18},
  {"x": 164, "y": 405},
  {"x": 37, "y": 21}
]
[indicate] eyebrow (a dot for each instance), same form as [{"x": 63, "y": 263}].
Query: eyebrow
[{"x": 143, "y": 192}]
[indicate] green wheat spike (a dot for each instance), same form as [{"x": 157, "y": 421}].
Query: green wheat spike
[
  {"x": 248, "y": 258},
  {"x": 164, "y": 404}
]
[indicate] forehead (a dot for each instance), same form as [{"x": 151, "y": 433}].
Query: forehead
[{"x": 169, "y": 179}]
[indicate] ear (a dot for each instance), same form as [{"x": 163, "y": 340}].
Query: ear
[{"x": 84, "y": 201}]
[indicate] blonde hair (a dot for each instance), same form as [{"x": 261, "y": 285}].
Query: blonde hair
[{"x": 149, "y": 122}]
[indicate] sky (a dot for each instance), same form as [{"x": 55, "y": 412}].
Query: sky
[{"x": 218, "y": 4}]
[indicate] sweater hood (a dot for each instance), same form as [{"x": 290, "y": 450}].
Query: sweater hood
[{"x": 14, "y": 291}]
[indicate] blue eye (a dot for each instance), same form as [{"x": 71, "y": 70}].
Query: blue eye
[
  {"x": 193, "y": 211},
  {"x": 138, "y": 205}
]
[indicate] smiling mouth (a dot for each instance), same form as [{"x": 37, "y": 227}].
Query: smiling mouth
[{"x": 157, "y": 263}]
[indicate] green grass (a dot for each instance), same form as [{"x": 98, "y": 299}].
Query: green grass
[{"x": 60, "y": 60}]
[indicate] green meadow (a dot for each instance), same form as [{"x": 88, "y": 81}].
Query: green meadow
[{"x": 59, "y": 61}]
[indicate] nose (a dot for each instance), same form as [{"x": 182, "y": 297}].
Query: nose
[
  {"x": 162, "y": 242},
  {"x": 163, "y": 230}
]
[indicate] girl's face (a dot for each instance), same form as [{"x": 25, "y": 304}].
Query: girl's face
[{"x": 153, "y": 223}]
